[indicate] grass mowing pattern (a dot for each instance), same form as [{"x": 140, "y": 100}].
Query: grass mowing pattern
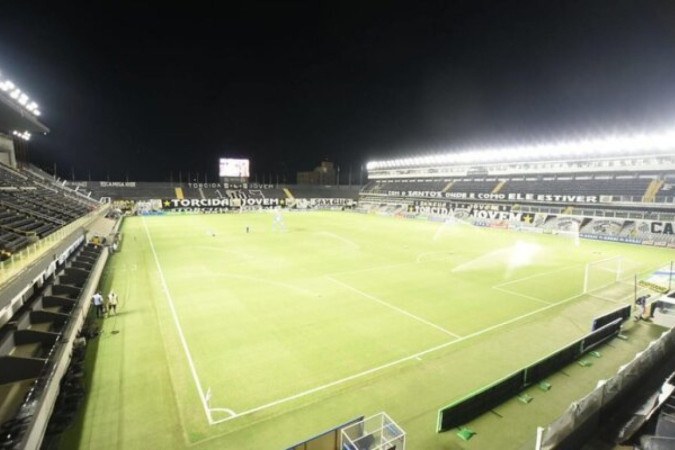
[{"x": 341, "y": 315}]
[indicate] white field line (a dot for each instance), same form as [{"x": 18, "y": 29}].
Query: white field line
[
  {"x": 393, "y": 363},
  {"x": 333, "y": 383},
  {"x": 339, "y": 238},
  {"x": 540, "y": 274},
  {"x": 521, "y": 295},
  {"x": 165, "y": 288},
  {"x": 395, "y": 308},
  {"x": 264, "y": 281},
  {"x": 389, "y": 266},
  {"x": 227, "y": 410},
  {"x": 369, "y": 269},
  {"x": 416, "y": 356}
]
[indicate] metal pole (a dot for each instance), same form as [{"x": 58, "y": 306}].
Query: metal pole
[{"x": 635, "y": 284}]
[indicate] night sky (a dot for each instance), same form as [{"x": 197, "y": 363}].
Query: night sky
[{"x": 141, "y": 90}]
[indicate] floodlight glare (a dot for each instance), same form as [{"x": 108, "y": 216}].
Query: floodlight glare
[
  {"x": 25, "y": 135},
  {"x": 7, "y": 86},
  {"x": 16, "y": 94},
  {"x": 612, "y": 145}
]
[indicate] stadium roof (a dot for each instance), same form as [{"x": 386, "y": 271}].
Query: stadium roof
[
  {"x": 602, "y": 147},
  {"x": 14, "y": 117}
]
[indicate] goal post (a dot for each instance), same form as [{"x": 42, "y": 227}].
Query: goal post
[{"x": 602, "y": 273}]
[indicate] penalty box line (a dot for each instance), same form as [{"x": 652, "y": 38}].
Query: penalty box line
[
  {"x": 540, "y": 274},
  {"x": 530, "y": 297},
  {"x": 183, "y": 341},
  {"x": 395, "y": 308},
  {"x": 417, "y": 261},
  {"x": 415, "y": 356}
]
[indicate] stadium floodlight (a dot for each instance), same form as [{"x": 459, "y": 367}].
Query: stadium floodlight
[
  {"x": 7, "y": 86},
  {"x": 15, "y": 93},
  {"x": 639, "y": 144},
  {"x": 25, "y": 135}
]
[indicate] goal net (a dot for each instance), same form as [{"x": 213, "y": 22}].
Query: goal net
[
  {"x": 603, "y": 273},
  {"x": 378, "y": 432}
]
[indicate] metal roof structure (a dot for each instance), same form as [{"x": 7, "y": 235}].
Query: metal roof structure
[{"x": 13, "y": 117}]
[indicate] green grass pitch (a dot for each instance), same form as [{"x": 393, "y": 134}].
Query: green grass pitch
[{"x": 258, "y": 340}]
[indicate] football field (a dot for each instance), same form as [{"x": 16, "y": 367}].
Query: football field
[{"x": 238, "y": 332}]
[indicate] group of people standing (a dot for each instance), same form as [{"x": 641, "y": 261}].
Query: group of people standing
[{"x": 105, "y": 306}]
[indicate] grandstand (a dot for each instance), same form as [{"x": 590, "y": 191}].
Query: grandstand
[
  {"x": 477, "y": 320},
  {"x": 31, "y": 209},
  {"x": 619, "y": 185},
  {"x": 47, "y": 272},
  {"x": 162, "y": 190}
]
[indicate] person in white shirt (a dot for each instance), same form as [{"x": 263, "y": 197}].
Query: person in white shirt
[
  {"x": 98, "y": 303},
  {"x": 112, "y": 303}
]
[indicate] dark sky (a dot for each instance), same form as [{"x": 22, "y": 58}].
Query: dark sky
[{"x": 142, "y": 89}]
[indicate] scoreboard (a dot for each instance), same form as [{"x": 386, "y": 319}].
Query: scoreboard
[{"x": 232, "y": 168}]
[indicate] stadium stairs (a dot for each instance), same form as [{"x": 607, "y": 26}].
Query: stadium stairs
[{"x": 37, "y": 342}]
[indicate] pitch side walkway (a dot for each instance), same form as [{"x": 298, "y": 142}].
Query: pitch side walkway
[
  {"x": 102, "y": 226},
  {"x": 513, "y": 424}
]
